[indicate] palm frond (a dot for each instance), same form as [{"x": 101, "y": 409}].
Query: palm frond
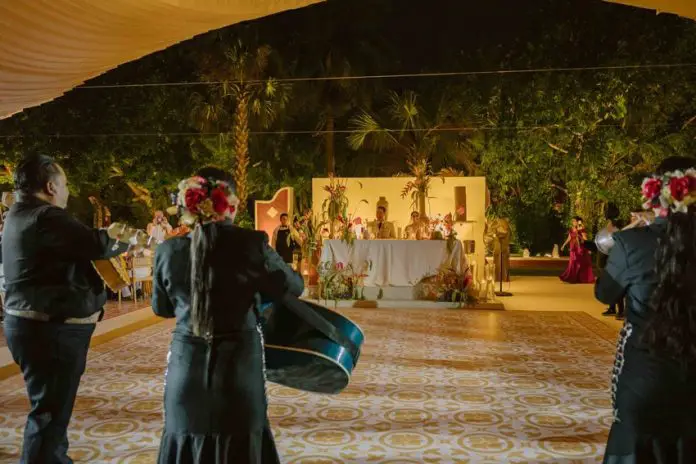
[
  {"x": 404, "y": 110},
  {"x": 369, "y": 133}
]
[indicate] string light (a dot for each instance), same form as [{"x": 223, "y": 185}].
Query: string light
[
  {"x": 396, "y": 76},
  {"x": 338, "y": 131}
]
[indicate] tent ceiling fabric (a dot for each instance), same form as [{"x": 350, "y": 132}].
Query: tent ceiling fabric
[
  {"x": 48, "y": 47},
  {"x": 686, "y": 8}
]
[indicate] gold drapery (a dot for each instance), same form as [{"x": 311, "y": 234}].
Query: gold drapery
[{"x": 48, "y": 47}]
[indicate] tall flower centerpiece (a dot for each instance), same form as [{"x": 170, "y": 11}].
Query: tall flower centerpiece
[
  {"x": 335, "y": 207},
  {"x": 419, "y": 188},
  {"x": 308, "y": 228},
  {"x": 342, "y": 224}
]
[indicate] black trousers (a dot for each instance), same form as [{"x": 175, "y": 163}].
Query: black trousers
[{"x": 52, "y": 357}]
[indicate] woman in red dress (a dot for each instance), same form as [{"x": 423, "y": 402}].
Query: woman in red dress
[{"x": 579, "y": 270}]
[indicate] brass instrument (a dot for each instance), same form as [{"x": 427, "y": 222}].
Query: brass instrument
[{"x": 605, "y": 238}]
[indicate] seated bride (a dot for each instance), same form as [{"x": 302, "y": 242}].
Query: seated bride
[{"x": 416, "y": 229}]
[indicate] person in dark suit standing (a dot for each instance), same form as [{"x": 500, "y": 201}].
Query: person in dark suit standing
[
  {"x": 53, "y": 299},
  {"x": 213, "y": 281},
  {"x": 614, "y": 224},
  {"x": 654, "y": 377}
]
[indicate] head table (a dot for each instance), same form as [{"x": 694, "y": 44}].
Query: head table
[{"x": 396, "y": 263}]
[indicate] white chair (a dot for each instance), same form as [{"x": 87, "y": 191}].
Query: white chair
[{"x": 141, "y": 272}]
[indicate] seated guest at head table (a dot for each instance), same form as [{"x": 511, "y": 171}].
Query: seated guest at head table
[
  {"x": 416, "y": 229},
  {"x": 380, "y": 228}
]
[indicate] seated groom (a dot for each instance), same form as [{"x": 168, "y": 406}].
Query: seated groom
[{"x": 380, "y": 228}]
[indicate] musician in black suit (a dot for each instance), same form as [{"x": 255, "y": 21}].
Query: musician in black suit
[
  {"x": 212, "y": 281},
  {"x": 53, "y": 299}
]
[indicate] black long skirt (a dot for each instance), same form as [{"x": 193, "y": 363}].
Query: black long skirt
[
  {"x": 215, "y": 402},
  {"x": 654, "y": 407}
]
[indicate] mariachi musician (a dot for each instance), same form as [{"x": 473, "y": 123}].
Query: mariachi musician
[
  {"x": 53, "y": 299},
  {"x": 211, "y": 280}
]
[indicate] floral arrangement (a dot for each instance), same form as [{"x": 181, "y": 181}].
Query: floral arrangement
[
  {"x": 419, "y": 188},
  {"x": 449, "y": 285},
  {"x": 674, "y": 191},
  {"x": 335, "y": 212},
  {"x": 442, "y": 228},
  {"x": 337, "y": 204},
  {"x": 203, "y": 200},
  {"x": 307, "y": 229},
  {"x": 339, "y": 281}
]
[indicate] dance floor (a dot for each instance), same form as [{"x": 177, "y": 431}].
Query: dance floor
[{"x": 432, "y": 386}]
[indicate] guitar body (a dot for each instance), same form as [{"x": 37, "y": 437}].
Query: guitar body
[{"x": 300, "y": 356}]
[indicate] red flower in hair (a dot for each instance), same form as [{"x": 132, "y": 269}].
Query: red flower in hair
[
  {"x": 652, "y": 188},
  {"x": 220, "y": 203},
  {"x": 193, "y": 198},
  {"x": 679, "y": 187}
]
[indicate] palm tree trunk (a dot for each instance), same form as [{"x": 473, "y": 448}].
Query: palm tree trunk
[
  {"x": 241, "y": 148},
  {"x": 329, "y": 143}
]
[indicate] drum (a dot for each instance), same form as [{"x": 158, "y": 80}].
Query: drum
[{"x": 113, "y": 272}]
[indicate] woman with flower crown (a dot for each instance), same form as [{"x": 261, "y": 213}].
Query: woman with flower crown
[
  {"x": 654, "y": 376},
  {"x": 212, "y": 280}
]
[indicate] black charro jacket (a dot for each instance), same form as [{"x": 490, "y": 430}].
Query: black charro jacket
[
  {"x": 245, "y": 271},
  {"x": 47, "y": 258},
  {"x": 630, "y": 271}
]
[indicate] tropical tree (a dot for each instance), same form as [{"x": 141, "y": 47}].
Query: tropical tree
[
  {"x": 245, "y": 93},
  {"x": 423, "y": 143}
]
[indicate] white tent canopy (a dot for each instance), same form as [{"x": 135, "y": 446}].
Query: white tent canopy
[
  {"x": 686, "y": 8},
  {"x": 48, "y": 47}
]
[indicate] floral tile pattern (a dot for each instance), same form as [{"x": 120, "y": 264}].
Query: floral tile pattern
[{"x": 432, "y": 386}]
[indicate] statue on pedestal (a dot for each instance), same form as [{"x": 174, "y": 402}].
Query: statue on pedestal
[{"x": 497, "y": 234}]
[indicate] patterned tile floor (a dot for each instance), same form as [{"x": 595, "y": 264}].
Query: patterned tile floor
[
  {"x": 112, "y": 309},
  {"x": 433, "y": 386}
]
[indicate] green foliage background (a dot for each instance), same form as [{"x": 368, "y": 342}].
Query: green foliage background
[{"x": 551, "y": 144}]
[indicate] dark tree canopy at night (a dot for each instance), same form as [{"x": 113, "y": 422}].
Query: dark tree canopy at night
[{"x": 594, "y": 110}]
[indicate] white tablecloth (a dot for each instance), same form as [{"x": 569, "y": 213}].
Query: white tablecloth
[{"x": 398, "y": 263}]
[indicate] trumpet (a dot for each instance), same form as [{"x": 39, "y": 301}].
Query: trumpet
[{"x": 605, "y": 237}]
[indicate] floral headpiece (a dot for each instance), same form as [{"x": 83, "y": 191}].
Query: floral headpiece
[
  {"x": 674, "y": 191},
  {"x": 204, "y": 200}
]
